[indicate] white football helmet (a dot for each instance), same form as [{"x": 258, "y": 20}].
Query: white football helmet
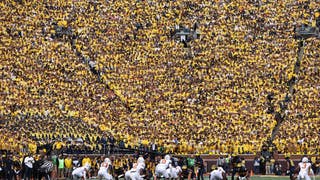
[
  {"x": 140, "y": 160},
  {"x": 107, "y": 160},
  {"x": 167, "y": 157},
  {"x": 305, "y": 159},
  {"x": 87, "y": 166},
  {"x": 179, "y": 168}
]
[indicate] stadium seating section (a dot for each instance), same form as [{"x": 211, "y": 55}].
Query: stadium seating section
[{"x": 74, "y": 67}]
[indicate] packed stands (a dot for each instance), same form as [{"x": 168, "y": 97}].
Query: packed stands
[{"x": 114, "y": 66}]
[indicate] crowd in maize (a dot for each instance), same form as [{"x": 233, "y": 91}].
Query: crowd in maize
[{"x": 88, "y": 68}]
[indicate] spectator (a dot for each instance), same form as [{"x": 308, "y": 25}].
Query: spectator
[
  {"x": 220, "y": 161},
  {"x": 61, "y": 167},
  {"x": 227, "y": 163},
  {"x": 290, "y": 166},
  {"x": 317, "y": 164},
  {"x": 256, "y": 165},
  {"x": 111, "y": 141},
  {"x": 8, "y": 167},
  {"x": 28, "y": 161},
  {"x": 200, "y": 167},
  {"x": 278, "y": 168},
  {"x": 272, "y": 164},
  {"x": 54, "y": 160},
  {"x": 68, "y": 166},
  {"x": 268, "y": 167}
]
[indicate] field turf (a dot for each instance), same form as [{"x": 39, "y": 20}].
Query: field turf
[
  {"x": 269, "y": 178},
  {"x": 274, "y": 178}
]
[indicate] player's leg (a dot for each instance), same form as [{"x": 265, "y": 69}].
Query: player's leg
[{"x": 127, "y": 175}]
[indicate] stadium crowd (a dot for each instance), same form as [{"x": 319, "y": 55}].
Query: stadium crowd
[{"x": 83, "y": 69}]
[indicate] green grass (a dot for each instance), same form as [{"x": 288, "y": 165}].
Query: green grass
[
  {"x": 269, "y": 178},
  {"x": 273, "y": 178}
]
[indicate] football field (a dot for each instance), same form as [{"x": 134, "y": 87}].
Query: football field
[
  {"x": 266, "y": 178},
  {"x": 275, "y": 178}
]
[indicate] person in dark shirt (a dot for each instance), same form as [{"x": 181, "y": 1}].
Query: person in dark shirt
[
  {"x": 104, "y": 142},
  {"x": 17, "y": 168},
  {"x": 243, "y": 173},
  {"x": 1, "y": 167},
  {"x": 8, "y": 167},
  {"x": 112, "y": 141},
  {"x": 200, "y": 167},
  {"x": 290, "y": 166},
  {"x": 183, "y": 163},
  {"x": 236, "y": 164}
]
